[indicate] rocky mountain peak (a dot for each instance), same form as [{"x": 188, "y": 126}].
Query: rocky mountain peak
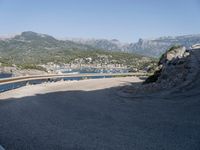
[{"x": 29, "y": 36}]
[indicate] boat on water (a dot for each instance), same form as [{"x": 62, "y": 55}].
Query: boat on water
[{"x": 72, "y": 73}]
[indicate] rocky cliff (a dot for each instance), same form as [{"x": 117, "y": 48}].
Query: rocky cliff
[
  {"x": 172, "y": 69},
  {"x": 177, "y": 68}
]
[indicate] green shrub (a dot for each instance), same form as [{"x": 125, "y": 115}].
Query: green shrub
[{"x": 32, "y": 66}]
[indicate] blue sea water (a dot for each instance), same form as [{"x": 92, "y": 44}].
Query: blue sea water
[
  {"x": 95, "y": 70},
  {"x": 5, "y": 75},
  {"x": 10, "y": 86}
]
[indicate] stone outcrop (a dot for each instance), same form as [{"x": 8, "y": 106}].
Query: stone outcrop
[
  {"x": 172, "y": 55},
  {"x": 174, "y": 69}
]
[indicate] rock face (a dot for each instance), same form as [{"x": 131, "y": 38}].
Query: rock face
[
  {"x": 172, "y": 68},
  {"x": 173, "y": 54}
]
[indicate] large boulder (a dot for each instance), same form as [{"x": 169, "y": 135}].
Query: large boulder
[
  {"x": 172, "y": 68},
  {"x": 175, "y": 69},
  {"x": 175, "y": 52}
]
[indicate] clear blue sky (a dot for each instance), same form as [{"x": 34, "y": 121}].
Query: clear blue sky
[{"x": 126, "y": 20}]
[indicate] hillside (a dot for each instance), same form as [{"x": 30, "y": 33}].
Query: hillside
[
  {"x": 37, "y": 48},
  {"x": 30, "y": 49}
]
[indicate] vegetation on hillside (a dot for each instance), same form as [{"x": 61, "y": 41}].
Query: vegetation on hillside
[{"x": 29, "y": 50}]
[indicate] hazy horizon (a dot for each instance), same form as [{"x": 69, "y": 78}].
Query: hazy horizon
[
  {"x": 126, "y": 20},
  {"x": 88, "y": 38}
]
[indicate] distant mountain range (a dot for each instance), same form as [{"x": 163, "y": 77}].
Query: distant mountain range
[
  {"x": 30, "y": 48},
  {"x": 157, "y": 47},
  {"x": 103, "y": 44},
  {"x": 31, "y": 41},
  {"x": 151, "y": 47}
]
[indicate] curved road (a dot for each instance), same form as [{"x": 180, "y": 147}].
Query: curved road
[{"x": 85, "y": 116}]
